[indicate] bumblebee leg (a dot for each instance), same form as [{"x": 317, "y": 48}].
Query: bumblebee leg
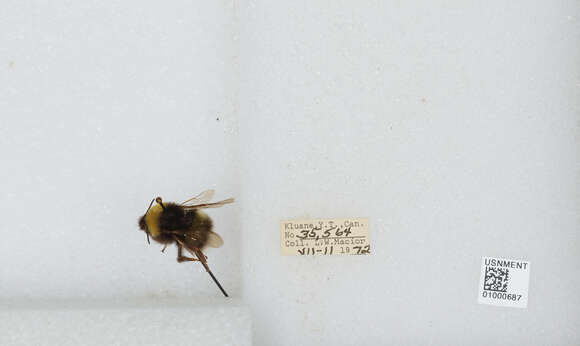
[
  {"x": 181, "y": 258},
  {"x": 164, "y": 247},
  {"x": 202, "y": 257},
  {"x": 185, "y": 259}
]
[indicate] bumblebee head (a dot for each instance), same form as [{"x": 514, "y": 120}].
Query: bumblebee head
[
  {"x": 143, "y": 223},
  {"x": 143, "y": 226},
  {"x": 143, "y": 219}
]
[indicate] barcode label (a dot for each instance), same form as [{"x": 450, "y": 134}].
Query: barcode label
[{"x": 504, "y": 282}]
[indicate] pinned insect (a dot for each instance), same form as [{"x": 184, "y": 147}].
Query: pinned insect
[{"x": 184, "y": 225}]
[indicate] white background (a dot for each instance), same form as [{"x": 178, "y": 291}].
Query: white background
[
  {"x": 454, "y": 127},
  {"x": 104, "y": 106}
]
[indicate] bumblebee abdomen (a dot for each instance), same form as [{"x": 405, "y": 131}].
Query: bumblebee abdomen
[
  {"x": 201, "y": 221},
  {"x": 199, "y": 230}
]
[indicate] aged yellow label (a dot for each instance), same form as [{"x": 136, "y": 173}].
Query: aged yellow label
[{"x": 310, "y": 237}]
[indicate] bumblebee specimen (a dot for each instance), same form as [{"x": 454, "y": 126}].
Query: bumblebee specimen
[{"x": 184, "y": 225}]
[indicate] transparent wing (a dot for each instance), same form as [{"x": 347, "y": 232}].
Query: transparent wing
[
  {"x": 209, "y": 205},
  {"x": 203, "y": 197},
  {"x": 214, "y": 240}
]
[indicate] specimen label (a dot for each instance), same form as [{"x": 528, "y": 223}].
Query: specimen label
[{"x": 325, "y": 237}]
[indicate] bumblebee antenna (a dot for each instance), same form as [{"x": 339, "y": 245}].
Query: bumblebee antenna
[{"x": 149, "y": 207}]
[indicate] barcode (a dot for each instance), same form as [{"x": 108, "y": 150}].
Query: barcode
[{"x": 496, "y": 279}]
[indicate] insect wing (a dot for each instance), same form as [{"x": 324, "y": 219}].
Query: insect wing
[
  {"x": 214, "y": 240},
  {"x": 209, "y": 205},
  {"x": 203, "y": 197}
]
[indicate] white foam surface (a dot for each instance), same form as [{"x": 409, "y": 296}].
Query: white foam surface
[
  {"x": 105, "y": 106},
  {"x": 453, "y": 127},
  {"x": 133, "y": 322}
]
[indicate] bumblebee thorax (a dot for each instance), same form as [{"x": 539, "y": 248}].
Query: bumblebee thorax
[{"x": 152, "y": 219}]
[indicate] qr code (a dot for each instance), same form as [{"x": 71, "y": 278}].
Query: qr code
[{"x": 496, "y": 279}]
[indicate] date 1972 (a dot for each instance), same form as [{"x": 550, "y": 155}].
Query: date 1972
[{"x": 325, "y": 237}]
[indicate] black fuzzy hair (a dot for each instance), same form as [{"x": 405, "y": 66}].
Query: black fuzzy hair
[{"x": 174, "y": 217}]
